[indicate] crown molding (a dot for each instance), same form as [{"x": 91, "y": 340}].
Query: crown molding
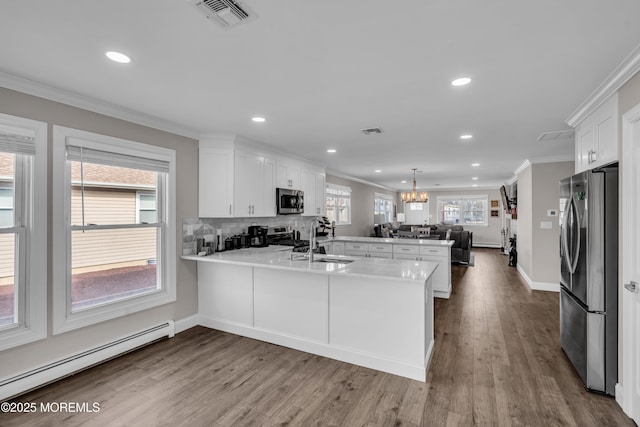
[
  {"x": 361, "y": 181},
  {"x": 618, "y": 77},
  {"x": 73, "y": 99},
  {"x": 536, "y": 160}
]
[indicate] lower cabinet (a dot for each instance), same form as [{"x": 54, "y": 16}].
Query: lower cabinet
[
  {"x": 441, "y": 278},
  {"x": 369, "y": 250}
]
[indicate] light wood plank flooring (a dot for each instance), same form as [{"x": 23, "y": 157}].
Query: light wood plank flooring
[{"x": 496, "y": 362}]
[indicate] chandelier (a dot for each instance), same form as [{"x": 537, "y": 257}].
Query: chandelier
[{"x": 414, "y": 196}]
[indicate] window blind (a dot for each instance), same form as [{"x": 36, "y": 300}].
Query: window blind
[
  {"x": 91, "y": 155},
  {"x": 17, "y": 144}
]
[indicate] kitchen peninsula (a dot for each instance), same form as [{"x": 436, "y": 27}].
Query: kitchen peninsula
[{"x": 374, "y": 313}]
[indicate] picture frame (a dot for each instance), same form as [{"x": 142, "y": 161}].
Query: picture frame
[
  {"x": 495, "y": 212},
  {"x": 495, "y": 204}
]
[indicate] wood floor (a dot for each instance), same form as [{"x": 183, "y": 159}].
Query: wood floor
[{"x": 496, "y": 362}]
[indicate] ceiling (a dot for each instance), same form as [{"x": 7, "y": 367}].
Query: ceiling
[{"x": 320, "y": 71}]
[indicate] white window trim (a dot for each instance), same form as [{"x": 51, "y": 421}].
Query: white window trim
[
  {"x": 63, "y": 319},
  {"x": 35, "y": 326},
  {"x": 346, "y": 190},
  {"x": 484, "y": 197}
]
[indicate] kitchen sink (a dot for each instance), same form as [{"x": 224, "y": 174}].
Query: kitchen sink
[{"x": 336, "y": 260}]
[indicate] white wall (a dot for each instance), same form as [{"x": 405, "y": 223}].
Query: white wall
[{"x": 27, "y": 356}]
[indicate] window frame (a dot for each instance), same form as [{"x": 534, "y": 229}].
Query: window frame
[
  {"x": 64, "y": 319},
  {"x": 380, "y": 197},
  {"x": 139, "y": 207},
  {"x": 462, "y": 198},
  {"x": 346, "y": 194},
  {"x": 30, "y": 223}
]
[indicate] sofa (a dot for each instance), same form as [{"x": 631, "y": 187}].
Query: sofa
[{"x": 463, "y": 239}]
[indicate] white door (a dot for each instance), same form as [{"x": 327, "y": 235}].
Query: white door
[{"x": 630, "y": 173}]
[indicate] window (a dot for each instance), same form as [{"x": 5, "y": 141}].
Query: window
[
  {"x": 382, "y": 205},
  {"x": 417, "y": 206},
  {"x": 115, "y": 244},
  {"x": 338, "y": 200},
  {"x": 22, "y": 222},
  {"x": 463, "y": 210},
  {"x": 146, "y": 203}
]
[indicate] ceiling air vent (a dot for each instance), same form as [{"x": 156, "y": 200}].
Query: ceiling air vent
[
  {"x": 370, "y": 131},
  {"x": 228, "y": 13},
  {"x": 555, "y": 135}
]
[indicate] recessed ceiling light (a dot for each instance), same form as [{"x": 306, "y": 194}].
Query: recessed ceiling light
[
  {"x": 331, "y": 150},
  {"x": 474, "y": 185},
  {"x": 466, "y": 136},
  {"x": 474, "y": 178},
  {"x": 118, "y": 57},
  {"x": 461, "y": 81},
  {"x": 404, "y": 181},
  {"x": 258, "y": 119},
  {"x": 475, "y": 164},
  {"x": 377, "y": 171}
]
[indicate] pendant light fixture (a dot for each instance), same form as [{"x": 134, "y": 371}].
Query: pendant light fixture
[{"x": 414, "y": 196}]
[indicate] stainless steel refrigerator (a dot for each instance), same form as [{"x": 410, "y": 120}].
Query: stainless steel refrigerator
[{"x": 589, "y": 276}]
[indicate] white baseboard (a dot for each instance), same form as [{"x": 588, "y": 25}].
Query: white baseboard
[
  {"x": 620, "y": 398},
  {"x": 538, "y": 286},
  {"x": 187, "y": 323},
  {"x": 486, "y": 245},
  {"x": 44, "y": 374},
  {"x": 349, "y": 355}
]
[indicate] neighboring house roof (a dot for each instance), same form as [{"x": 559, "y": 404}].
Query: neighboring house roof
[{"x": 112, "y": 176}]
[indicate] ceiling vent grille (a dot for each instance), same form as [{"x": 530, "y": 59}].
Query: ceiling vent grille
[
  {"x": 228, "y": 13},
  {"x": 555, "y": 135},
  {"x": 370, "y": 131}
]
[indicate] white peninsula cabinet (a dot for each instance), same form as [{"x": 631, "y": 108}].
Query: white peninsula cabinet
[
  {"x": 442, "y": 255},
  {"x": 438, "y": 251},
  {"x": 373, "y": 313}
]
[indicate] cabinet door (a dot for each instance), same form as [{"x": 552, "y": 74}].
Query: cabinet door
[
  {"x": 320, "y": 196},
  {"x": 337, "y": 248},
  {"x": 288, "y": 176},
  {"x": 585, "y": 145},
  {"x": 405, "y": 256},
  {"x": 269, "y": 187},
  {"x": 605, "y": 123},
  {"x": 248, "y": 191},
  {"x": 309, "y": 188},
  {"x": 215, "y": 183},
  {"x": 440, "y": 277}
]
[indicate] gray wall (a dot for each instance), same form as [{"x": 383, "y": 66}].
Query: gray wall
[
  {"x": 538, "y": 191},
  {"x": 361, "y": 206},
  {"x": 53, "y": 347}
]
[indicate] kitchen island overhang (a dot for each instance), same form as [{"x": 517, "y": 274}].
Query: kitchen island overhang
[{"x": 370, "y": 312}]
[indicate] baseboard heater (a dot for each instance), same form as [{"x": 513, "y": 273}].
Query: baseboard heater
[{"x": 21, "y": 383}]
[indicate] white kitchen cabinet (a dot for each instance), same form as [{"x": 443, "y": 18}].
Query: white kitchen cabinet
[
  {"x": 289, "y": 175},
  {"x": 270, "y": 208},
  {"x": 373, "y": 250},
  {"x": 596, "y": 137},
  {"x": 248, "y": 191},
  {"x": 336, "y": 248},
  {"x": 313, "y": 187},
  {"x": 215, "y": 182},
  {"x": 441, "y": 278}
]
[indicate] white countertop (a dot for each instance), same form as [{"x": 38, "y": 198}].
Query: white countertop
[
  {"x": 423, "y": 242},
  {"x": 278, "y": 258}
]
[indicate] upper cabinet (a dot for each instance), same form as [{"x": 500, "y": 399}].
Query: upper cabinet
[
  {"x": 597, "y": 137},
  {"x": 289, "y": 175},
  {"x": 313, "y": 187},
  {"x": 215, "y": 181},
  {"x": 238, "y": 180}
]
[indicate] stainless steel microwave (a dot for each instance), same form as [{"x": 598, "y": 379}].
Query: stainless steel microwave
[{"x": 289, "y": 201}]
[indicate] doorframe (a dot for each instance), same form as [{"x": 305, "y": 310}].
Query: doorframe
[{"x": 630, "y": 118}]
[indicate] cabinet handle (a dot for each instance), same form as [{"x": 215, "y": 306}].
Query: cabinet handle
[
  {"x": 229, "y": 209},
  {"x": 592, "y": 156},
  {"x": 249, "y": 210}
]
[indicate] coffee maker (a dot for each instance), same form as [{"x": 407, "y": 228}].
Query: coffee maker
[{"x": 257, "y": 236}]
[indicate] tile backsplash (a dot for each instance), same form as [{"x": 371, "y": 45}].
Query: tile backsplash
[{"x": 195, "y": 228}]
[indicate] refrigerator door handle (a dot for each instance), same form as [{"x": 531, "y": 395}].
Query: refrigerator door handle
[
  {"x": 565, "y": 249},
  {"x": 576, "y": 232}
]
